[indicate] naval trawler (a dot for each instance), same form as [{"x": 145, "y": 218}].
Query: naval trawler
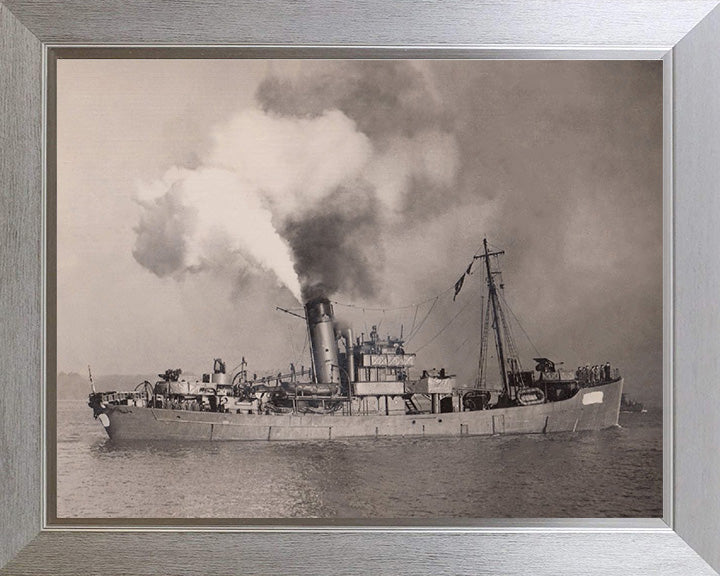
[{"x": 368, "y": 387}]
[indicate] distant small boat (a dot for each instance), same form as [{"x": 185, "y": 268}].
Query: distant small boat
[{"x": 629, "y": 405}]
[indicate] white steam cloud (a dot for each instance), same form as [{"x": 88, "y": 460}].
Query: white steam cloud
[
  {"x": 298, "y": 195},
  {"x": 208, "y": 218}
]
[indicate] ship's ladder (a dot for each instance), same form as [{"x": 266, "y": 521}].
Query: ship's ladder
[{"x": 410, "y": 406}]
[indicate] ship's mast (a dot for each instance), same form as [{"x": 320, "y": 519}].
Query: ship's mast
[
  {"x": 495, "y": 305},
  {"x": 482, "y": 361}
]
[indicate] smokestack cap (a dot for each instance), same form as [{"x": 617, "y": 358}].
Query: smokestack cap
[{"x": 318, "y": 309}]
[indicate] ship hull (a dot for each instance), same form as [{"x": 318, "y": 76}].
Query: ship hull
[{"x": 590, "y": 409}]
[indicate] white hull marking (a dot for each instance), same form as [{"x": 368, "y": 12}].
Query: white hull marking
[{"x": 593, "y": 398}]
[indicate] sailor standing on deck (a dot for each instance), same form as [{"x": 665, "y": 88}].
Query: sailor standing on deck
[{"x": 374, "y": 339}]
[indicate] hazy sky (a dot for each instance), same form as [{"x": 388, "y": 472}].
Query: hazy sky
[{"x": 194, "y": 196}]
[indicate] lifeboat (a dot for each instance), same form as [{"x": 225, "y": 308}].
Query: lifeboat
[{"x": 530, "y": 396}]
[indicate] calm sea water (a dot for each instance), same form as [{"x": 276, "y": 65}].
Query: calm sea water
[{"x": 610, "y": 473}]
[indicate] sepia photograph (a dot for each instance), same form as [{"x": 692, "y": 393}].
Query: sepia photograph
[{"x": 358, "y": 289}]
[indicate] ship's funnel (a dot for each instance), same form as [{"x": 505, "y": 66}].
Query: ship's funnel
[{"x": 319, "y": 314}]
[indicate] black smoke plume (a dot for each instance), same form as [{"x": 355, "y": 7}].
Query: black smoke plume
[{"x": 336, "y": 244}]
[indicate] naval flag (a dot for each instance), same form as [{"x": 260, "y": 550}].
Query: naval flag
[
  {"x": 459, "y": 283},
  {"x": 458, "y": 286}
]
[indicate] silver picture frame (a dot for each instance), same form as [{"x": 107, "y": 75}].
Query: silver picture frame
[{"x": 684, "y": 34}]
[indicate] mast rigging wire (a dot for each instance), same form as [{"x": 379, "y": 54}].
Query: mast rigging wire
[
  {"x": 414, "y": 319},
  {"x": 394, "y": 308},
  {"x": 517, "y": 321},
  {"x": 443, "y": 328},
  {"x": 422, "y": 322}
]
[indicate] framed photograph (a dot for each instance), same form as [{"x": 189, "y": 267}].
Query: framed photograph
[
  {"x": 419, "y": 304},
  {"x": 327, "y": 263}
]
